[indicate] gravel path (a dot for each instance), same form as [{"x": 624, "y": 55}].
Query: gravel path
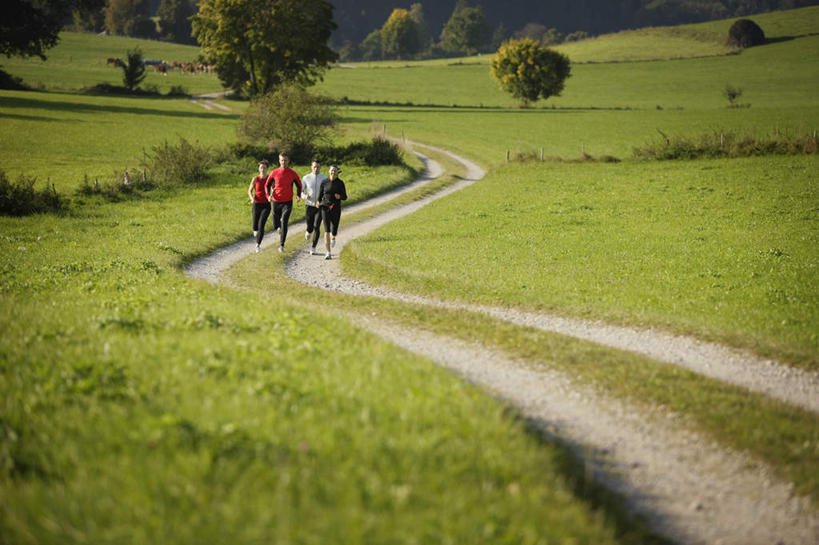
[{"x": 688, "y": 488}]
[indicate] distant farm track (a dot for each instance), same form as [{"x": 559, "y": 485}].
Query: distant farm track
[{"x": 689, "y": 488}]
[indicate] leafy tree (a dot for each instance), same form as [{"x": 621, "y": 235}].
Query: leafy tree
[
  {"x": 745, "y": 33},
  {"x": 371, "y": 47},
  {"x": 399, "y": 36},
  {"x": 289, "y": 119},
  {"x": 174, "y": 20},
  {"x": 89, "y": 15},
  {"x": 133, "y": 72},
  {"x": 533, "y": 31},
  {"x": 126, "y": 17},
  {"x": 467, "y": 30},
  {"x": 528, "y": 71},
  {"x": 552, "y": 37},
  {"x": 28, "y": 28},
  {"x": 499, "y": 36},
  {"x": 258, "y": 44},
  {"x": 416, "y": 13}
]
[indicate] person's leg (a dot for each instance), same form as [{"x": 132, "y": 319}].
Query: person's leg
[
  {"x": 317, "y": 226},
  {"x": 309, "y": 220},
  {"x": 335, "y": 218},
  {"x": 286, "y": 209},
  {"x": 277, "y": 215},
  {"x": 263, "y": 215},
  {"x": 257, "y": 210},
  {"x": 325, "y": 216}
]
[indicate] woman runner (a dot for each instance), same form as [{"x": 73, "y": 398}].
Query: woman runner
[
  {"x": 260, "y": 201},
  {"x": 331, "y": 192}
]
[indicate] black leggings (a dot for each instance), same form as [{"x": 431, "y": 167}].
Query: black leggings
[
  {"x": 261, "y": 210},
  {"x": 281, "y": 217},
  {"x": 312, "y": 217}
]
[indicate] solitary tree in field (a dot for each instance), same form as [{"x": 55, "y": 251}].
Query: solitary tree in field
[
  {"x": 529, "y": 71},
  {"x": 258, "y": 44},
  {"x": 133, "y": 72},
  {"x": 746, "y": 33}
]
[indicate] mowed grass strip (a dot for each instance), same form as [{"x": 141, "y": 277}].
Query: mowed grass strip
[
  {"x": 138, "y": 405},
  {"x": 721, "y": 249}
]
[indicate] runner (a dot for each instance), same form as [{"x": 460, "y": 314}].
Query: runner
[
  {"x": 311, "y": 183},
  {"x": 331, "y": 192},
  {"x": 280, "y": 189},
  {"x": 260, "y": 201}
]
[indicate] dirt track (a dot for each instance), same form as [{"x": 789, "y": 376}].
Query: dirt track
[{"x": 689, "y": 488}]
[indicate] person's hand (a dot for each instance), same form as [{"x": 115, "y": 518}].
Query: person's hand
[{"x": 338, "y": 196}]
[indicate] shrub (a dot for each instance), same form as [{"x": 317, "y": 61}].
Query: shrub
[
  {"x": 21, "y": 199},
  {"x": 183, "y": 163},
  {"x": 120, "y": 184},
  {"x": 745, "y": 33},
  {"x": 377, "y": 152},
  {"x": 289, "y": 119},
  {"x": 177, "y": 91},
  {"x": 529, "y": 71},
  {"x": 727, "y": 144}
]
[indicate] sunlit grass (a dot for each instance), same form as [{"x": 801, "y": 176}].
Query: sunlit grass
[{"x": 724, "y": 249}]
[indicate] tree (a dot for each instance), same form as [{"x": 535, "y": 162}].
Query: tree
[
  {"x": 133, "y": 72},
  {"x": 745, "y": 33},
  {"x": 289, "y": 119},
  {"x": 174, "y": 20},
  {"x": 127, "y": 17},
  {"x": 416, "y": 13},
  {"x": 529, "y": 71},
  {"x": 399, "y": 36},
  {"x": 258, "y": 44},
  {"x": 499, "y": 36},
  {"x": 28, "y": 28},
  {"x": 467, "y": 30},
  {"x": 371, "y": 47}
]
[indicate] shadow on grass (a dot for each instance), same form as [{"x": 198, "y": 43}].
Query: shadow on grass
[
  {"x": 579, "y": 475},
  {"x": 66, "y": 106}
]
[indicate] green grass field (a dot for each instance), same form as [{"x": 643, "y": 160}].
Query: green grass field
[
  {"x": 137, "y": 405},
  {"x": 79, "y": 60}
]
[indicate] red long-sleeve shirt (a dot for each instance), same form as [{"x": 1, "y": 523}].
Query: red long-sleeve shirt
[{"x": 282, "y": 181}]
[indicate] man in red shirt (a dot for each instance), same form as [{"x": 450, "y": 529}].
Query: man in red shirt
[{"x": 279, "y": 189}]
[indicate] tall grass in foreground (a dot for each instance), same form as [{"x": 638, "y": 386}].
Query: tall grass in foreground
[{"x": 723, "y": 249}]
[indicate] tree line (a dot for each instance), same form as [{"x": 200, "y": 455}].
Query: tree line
[{"x": 357, "y": 19}]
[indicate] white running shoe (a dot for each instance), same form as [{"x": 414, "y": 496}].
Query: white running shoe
[
  {"x": 328, "y": 256},
  {"x": 313, "y": 251},
  {"x": 281, "y": 249},
  {"x": 258, "y": 248},
  {"x": 333, "y": 243}
]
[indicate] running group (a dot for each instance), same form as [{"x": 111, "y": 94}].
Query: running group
[{"x": 274, "y": 193}]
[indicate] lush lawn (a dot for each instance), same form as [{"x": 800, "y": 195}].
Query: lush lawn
[
  {"x": 723, "y": 249},
  {"x": 79, "y": 60},
  {"x": 62, "y": 137}
]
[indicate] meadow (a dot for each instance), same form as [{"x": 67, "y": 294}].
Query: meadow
[{"x": 138, "y": 405}]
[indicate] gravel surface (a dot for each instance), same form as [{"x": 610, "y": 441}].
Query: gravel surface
[{"x": 689, "y": 488}]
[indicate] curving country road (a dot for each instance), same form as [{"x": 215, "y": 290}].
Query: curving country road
[{"x": 688, "y": 488}]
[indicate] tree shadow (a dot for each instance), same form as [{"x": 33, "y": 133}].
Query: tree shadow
[{"x": 68, "y": 106}]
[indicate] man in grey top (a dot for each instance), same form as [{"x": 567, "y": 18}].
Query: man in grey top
[{"x": 311, "y": 183}]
